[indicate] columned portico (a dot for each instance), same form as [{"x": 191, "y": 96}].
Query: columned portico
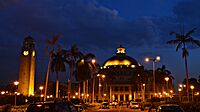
[{"x": 121, "y": 73}]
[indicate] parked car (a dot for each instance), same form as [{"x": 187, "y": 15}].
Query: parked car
[
  {"x": 78, "y": 103},
  {"x": 52, "y": 106},
  {"x": 105, "y": 105},
  {"x": 134, "y": 105},
  {"x": 169, "y": 108}
]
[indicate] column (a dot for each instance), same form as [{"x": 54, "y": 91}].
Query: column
[
  {"x": 124, "y": 97},
  {"x": 111, "y": 94}
]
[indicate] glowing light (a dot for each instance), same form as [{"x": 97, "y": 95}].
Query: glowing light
[
  {"x": 146, "y": 59},
  {"x": 117, "y": 62},
  {"x": 16, "y": 83},
  {"x": 93, "y": 61},
  {"x": 51, "y": 96},
  {"x": 39, "y": 105},
  {"x": 197, "y": 93},
  {"x": 76, "y": 93},
  {"x": 143, "y": 84},
  {"x": 41, "y": 87},
  {"x": 48, "y": 97},
  {"x": 158, "y": 58},
  {"x": 166, "y": 78},
  {"x": 179, "y": 89},
  {"x": 33, "y": 53},
  {"x": 121, "y": 50},
  {"x": 3, "y": 92},
  {"x": 73, "y": 97},
  {"x": 87, "y": 95},
  {"x": 180, "y": 85},
  {"x": 25, "y": 53},
  {"x": 41, "y": 95},
  {"x": 104, "y": 94},
  {"x": 191, "y": 87},
  {"x": 132, "y": 66}
]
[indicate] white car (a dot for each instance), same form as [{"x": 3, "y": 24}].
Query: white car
[{"x": 134, "y": 105}]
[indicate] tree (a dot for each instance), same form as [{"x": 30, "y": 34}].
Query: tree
[
  {"x": 85, "y": 67},
  {"x": 181, "y": 41},
  {"x": 58, "y": 65},
  {"x": 50, "y": 43},
  {"x": 71, "y": 58}
]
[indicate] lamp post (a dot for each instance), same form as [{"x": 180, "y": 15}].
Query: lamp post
[
  {"x": 93, "y": 85},
  {"x": 167, "y": 79},
  {"x": 154, "y": 80},
  {"x": 143, "y": 92},
  {"x": 41, "y": 88},
  {"x": 16, "y": 83},
  {"x": 179, "y": 93},
  {"x": 192, "y": 87},
  {"x": 99, "y": 92}
]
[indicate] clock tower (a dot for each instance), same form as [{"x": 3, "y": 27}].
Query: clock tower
[{"x": 27, "y": 67}]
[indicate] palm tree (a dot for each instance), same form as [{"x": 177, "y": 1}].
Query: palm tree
[
  {"x": 181, "y": 41},
  {"x": 49, "y": 43},
  {"x": 72, "y": 56},
  {"x": 85, "y": 68},
  {"x": 58, "y": 65}
]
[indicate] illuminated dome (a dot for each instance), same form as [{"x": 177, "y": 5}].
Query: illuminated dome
[{"x": 121, "y": 59}]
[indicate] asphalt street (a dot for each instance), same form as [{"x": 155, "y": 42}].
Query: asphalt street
[{"x": 112, "y": 109}]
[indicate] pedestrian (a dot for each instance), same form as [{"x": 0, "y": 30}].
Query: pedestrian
[
  {"x": 127, "y": 104},
  {"x": 115, "y": 103}
]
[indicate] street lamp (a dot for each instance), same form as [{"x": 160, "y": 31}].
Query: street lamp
[
  {"x": 93, "y": 85},
  {"x": 16, "y": 83},
  {"x": 100, "y": 76},
  {"x": 143, "y": 92},
  {"x": 41, "y": 88},
  {"x": 179, "y": 91},
  {"x": 167, "y": 79},
  {"x": 192, "y": 87},
  {"x": 153, "y": 60}
]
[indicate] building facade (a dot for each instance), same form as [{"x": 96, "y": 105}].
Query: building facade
[
  {"x": 27, "y": 67},
  {"x": 122, "y": 75}
]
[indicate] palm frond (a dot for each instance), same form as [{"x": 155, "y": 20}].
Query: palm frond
[
  {"x": 178, "y": 46},
  {"x": 193, "y": 41},
  {"x": 173, "y": 41},
  {"x": 190, "y": 32}
]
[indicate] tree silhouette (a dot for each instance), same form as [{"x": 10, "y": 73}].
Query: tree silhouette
[{"x": 181, "y": 41}]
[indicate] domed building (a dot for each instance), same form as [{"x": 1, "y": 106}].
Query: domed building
[{"x": 122, "y": 74}]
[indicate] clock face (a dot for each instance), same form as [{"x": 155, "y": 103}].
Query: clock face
[
  {"x": 25, "y": 53},
  {"x": 33, "y": 53}
]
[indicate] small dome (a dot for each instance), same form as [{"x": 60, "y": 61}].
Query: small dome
[{"x": 121, "y": 59}]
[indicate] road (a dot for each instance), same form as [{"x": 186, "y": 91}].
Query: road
[{"x": 112, "y": 109}]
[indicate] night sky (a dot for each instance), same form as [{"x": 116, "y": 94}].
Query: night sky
[{"x": 98, "y": 26}]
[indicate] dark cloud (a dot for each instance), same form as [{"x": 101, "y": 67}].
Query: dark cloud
[
  {"x": 84, "y": 22},
  {"x": 7, "y": 3},
  {"x": 88, "y": 24}
]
